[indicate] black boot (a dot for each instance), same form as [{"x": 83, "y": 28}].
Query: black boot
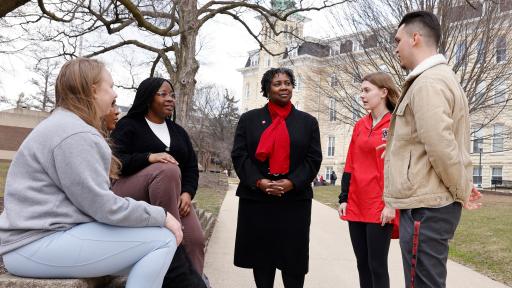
[{"x": 181, "y": 272}]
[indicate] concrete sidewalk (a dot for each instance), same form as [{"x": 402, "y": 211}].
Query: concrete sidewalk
[{"x": 332, "y": 261}]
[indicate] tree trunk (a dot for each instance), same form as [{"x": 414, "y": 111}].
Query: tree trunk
[
  {"x": 186, "y": 63},
  {"x": 10, "y": 5}
]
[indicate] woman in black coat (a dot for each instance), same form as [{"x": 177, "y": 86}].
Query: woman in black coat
[
  {"x": 159, "y": 164},
  {"x": 276, "y": 154}
]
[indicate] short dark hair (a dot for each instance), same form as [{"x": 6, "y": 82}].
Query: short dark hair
[
  {"x": 266, "y": 80},
  {"x": 427, "y": 20}
]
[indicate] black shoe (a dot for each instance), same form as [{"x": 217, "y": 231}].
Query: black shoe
[{"x": 181, "y": 272}]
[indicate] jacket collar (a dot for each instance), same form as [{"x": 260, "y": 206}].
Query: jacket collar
[
  {"x": 368, "y": 121},
  {"x": 425, "y": 65}
]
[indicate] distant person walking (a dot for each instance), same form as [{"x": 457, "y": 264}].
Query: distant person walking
[
  {"x": 333, "y": 178},
  {"x": 276, "y": 154},
  {"x": 427, "y": 165},
  {"x": 370, "y": 222}
]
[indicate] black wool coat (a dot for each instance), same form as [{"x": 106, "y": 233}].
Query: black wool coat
[
  {"x": 305, "y": 154},
  {"x": 134, "y": 140}
]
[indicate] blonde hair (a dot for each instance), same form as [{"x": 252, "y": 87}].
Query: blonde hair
[
  {"x": 73, "y": 91},
  {"x": 384, "y": 80}
]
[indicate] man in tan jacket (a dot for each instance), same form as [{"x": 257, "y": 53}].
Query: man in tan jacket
[{"x": 427, "y": 166}]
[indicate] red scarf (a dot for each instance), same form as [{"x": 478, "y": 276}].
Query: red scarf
[{"x": 275, "y": 140}]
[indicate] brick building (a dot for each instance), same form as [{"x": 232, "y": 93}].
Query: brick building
[{"x": 15, "y": 125}]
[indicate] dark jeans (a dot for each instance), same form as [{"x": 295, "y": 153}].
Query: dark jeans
[
  {"x": 264, "y": 278},
  {"x": 436, "y": 227},
  {"x": 371, "y": 246}
]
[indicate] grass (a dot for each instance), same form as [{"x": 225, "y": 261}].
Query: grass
[
  {"x": 4, "y": 165},
  {"x": 211, "y": 192},
  {"x": 327, "y": 195},
  {"x": 483, "y": 240}
]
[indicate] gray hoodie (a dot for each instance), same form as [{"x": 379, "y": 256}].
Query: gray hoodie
[{"x": 58, "y": 179}]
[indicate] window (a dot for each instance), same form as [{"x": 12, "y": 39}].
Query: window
[
  {"x": 356, "y": 46},
  {"x": 330, "y": 146},
  {"x": 501, "y": 49},
  {"x": 460, "y": 53},
  {"x": 332, "y": 109},
  {"x": 497, "y": 174},
  {"x": 480, "y": 92},
  {"x": 355, "y": 108},
  {"x": 478, "y": 140},
  {"x": 334, "y": 80},
  {"x": 500, "y": 94},
  {"x": 334, "y": 51},
  {"x": 254, "y": 60},
  {"x": 328, "y": 172},
  {"x": 479, "y": 53},
  {"x": 292, "y": 51},
  {"x": 247, "y": 90},
  {"x": 477, "y": 175},
  {"x": 268, "y": 61},
  {"x": 497, "y": 138}
]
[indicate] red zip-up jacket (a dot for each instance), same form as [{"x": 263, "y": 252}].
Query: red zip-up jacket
[{"x": 366, "y": 167}]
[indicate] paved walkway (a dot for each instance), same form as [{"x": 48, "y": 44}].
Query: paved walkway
[{"x": 332, "y": 261}]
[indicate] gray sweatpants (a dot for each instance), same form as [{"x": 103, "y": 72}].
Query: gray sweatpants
[
  {"x": 435, "y": 226},
  {"x": 95, "y": 249}
]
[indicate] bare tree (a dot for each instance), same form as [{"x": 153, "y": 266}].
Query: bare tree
[
  {"x": 172, "y": 26},
  {"x": 473, "y": 40},
  {"x": 213, "y": 122},
  {"x": 45, "y": 71}
]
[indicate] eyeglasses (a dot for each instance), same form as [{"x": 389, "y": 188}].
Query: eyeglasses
[{"x": 165, "y": 94}]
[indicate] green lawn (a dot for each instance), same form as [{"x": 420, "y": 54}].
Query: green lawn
[
  {"x": 4, "y": 165},
  {"x": 211, "y": 192},
  {"x": 483, "y": 240}
]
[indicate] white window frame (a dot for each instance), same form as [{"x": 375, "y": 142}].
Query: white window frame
[
  {"x": 500, "y": 93},
  {"x": 460, "y": 52},
  {"x": 478, "y": 138},
  {"x": 331, "y": 144},
  {"x": 480, "y": 52},
  {"x": 480, "y": 90},
  {"x": 247, "y": 90},
  {"x": 501, "y": 49},
  {"x": 328, "y": 171},
  {"x": 497, "y": 137},
  {"x": 332, "y": 109},
  {"x": 494, "y": 175},
  {"x": 477, "y": 177}
]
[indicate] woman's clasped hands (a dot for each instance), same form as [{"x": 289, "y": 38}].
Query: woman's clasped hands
[{"x": 275, "y": 188}]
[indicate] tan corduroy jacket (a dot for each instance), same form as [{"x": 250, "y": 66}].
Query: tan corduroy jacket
[{"x": 427, "y": 160}]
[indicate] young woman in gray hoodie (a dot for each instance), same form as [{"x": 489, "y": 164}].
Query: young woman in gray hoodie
[{"x": 60, "y": 219}]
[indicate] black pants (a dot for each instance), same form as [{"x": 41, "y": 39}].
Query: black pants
[
  {"x": 371, "y": 246},
  {"x": 264, "y": 278},
  {"x": 435, "y": 226}
]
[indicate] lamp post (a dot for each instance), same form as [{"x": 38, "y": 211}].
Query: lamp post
[{"x": 480, "y": 165}]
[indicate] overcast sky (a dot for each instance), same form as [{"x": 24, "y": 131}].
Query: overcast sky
[{"x": 224, "y": 45}]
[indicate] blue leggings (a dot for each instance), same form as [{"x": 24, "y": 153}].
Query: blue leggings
[{"x": 95, "y": 249}]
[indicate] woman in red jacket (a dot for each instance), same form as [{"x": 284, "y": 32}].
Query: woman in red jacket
[{"x": 361, "y": 203}]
